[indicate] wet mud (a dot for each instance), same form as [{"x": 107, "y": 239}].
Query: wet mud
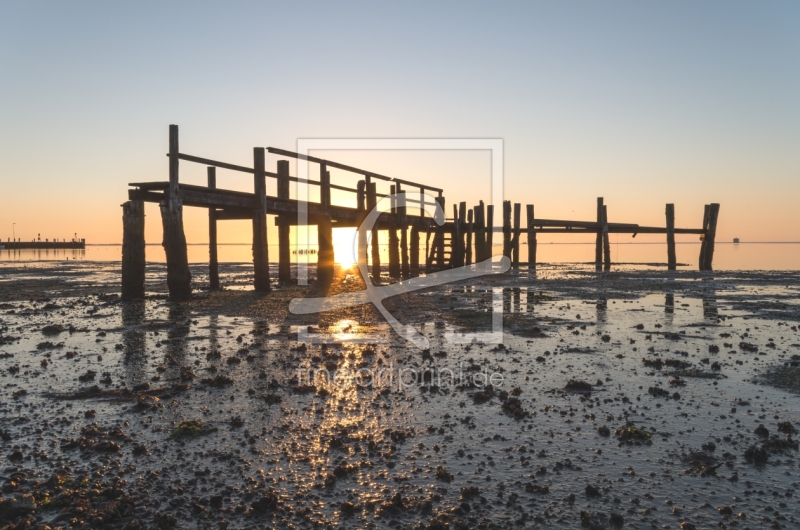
[{"x": 635, "y": 399}]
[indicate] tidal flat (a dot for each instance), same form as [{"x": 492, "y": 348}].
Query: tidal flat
[{"x": 638, "y": 398}]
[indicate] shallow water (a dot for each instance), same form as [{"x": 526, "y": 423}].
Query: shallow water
[{"x": 339, "y": 453}]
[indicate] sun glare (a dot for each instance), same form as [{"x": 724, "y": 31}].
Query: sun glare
[{"x": 344, "y": 246}]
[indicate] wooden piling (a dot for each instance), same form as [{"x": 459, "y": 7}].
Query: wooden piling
[
  {"x": 507, "y": 229},
  {"x": 672, "y": 261},
  {"x": 710, "y": 236},
  {"x": 606, "y": 242},
  {"x": 515, "y": 245},
  {"x": 402, "y": 211},
  {"x": 213, "y": 263},
  {"x": 440, "y": 233},
  {"x": 468, "y": 244},
  {"x": 372, "y": 196},
  {"x": 325, "y": 256},
  {"x": 260, "y": 252},
  {"x": 479, "y": 232},
  {"x": 133, "y": 250},
  {"x": 531, "y": 238},
  {"x": 462, "y": 235},
  {"x": 489, "y": 240},
  {"x": 179, "y": 278},
  {"x": 394, "y": 242},
  {"x": 414, "y": 258},
  {"x": 284, "y": 226},
  {"x": 703, "y": 237},
  {"x": 598, "y": 247}
]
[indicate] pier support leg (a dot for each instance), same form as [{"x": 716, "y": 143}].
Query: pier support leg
[
  {"x": 133, "y": 258},
  {"x": 372, "y": 201},
  {"x": 414, "y": 251},
  {"x": 468, "y": 244},
  {"x": 598, "y": 246},
  {"x": 394, "y": 242},
  {"x": 179, "y": 279},
  {"x": 260, "y": 253},
  {"x": 606, "y": 242},
  {"x": 480, "y": 232},
  {"x": 672, "y": 261},
  {"x": 213, "y": 264},
  {"x": 531, "y": 239},
  {"x": 515, "y": 246},
  {"x": 284, "y": 251},
  {"x": 703, "y": 238},
  {"x": 710, "y": 236},
  {"x": 325, "y": 256},
  {"x": 507, "y": 229}
]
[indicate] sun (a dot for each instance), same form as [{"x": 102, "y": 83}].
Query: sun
[{"x": 345, "y": 246}]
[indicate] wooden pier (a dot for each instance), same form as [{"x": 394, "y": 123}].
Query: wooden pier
[
  {"x": 465, "y": 238},
  {"x": 79, "y": 244}
]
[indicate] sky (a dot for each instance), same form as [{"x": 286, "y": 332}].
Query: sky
[{"x": 643, "y": 103}]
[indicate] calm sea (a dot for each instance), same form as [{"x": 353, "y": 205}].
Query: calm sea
[{"x": 727, "y": 256}]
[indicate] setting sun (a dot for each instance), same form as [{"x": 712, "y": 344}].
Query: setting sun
[{"x": 345, "y": 246}]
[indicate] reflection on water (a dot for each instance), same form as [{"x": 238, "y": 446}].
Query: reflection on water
[{"x": 727, "y": 256}]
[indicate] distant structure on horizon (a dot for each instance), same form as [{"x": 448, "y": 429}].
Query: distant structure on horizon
[
  {"x": 735, "y": 239},
  {"x": 38, "y": 244}
]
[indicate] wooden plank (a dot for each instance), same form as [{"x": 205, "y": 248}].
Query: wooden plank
[
  {"x": 213, "y": 264},
  {"x": 260, "y": 249},
  {"x": 133, "y": 251},
  {"x": 672, "y": 261},
  {"x": 328, "y": 163}
]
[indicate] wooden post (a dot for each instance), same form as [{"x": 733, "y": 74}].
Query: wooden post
[
  {"x": 672, "y": 261},
  {"x": 179, "y": 278},
  {"x": 133, "y": 258},
  {"x": 455, "y": 241},
  {"x": 394, "y": 243},
  {"x": 606, "y": 242},
  {"x": 414, "y": 250},
  {"x": 284, "y": 227},
  {"x": 372, "y": 197},
  {"x": 703, "y": 237},
  {"x": 440, "y": 233},
  {"x": 361, "y": 195},
  {"x": 260, "y": 253},
  {"x": 598, "y": 247},
  {"x": 489, "y": 239},
  {"x": 402, "y": 212},
  {"x": 462, "y": 241},
  {"x": 479, "y": 230},
  {"x": 324, "y": 186},
  {"x": 325, "y": 245},
  {"x": 507, "y": 229},
  {"x": 711, "y": 234},
  {"x": 213, "y": 264},
  {"x": 468, "y": 245},
  {"x": 515, "y": 247},
  {"x": 531, "y": 239}
]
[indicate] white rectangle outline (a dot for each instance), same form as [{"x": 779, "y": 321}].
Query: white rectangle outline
[
  {"x": 495, "y": 145},
  {"x": 304, "y": 145}
]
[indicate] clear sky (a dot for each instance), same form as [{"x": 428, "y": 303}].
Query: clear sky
[{"x": 643, "y": 103}]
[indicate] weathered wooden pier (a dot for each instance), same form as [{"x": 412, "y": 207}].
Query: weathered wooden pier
[{"x": 465, "y": 238}]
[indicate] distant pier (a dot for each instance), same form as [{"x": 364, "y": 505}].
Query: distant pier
[{"x": 43, "y": 245}]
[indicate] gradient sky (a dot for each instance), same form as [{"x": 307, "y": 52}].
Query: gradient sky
[{"x": 643, "y": 103}]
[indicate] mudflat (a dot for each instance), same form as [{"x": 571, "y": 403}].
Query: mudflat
[{"x": 637, "y": 398}]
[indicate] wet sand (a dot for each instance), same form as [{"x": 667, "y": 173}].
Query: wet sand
[{"x": 632, "y": 399}]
